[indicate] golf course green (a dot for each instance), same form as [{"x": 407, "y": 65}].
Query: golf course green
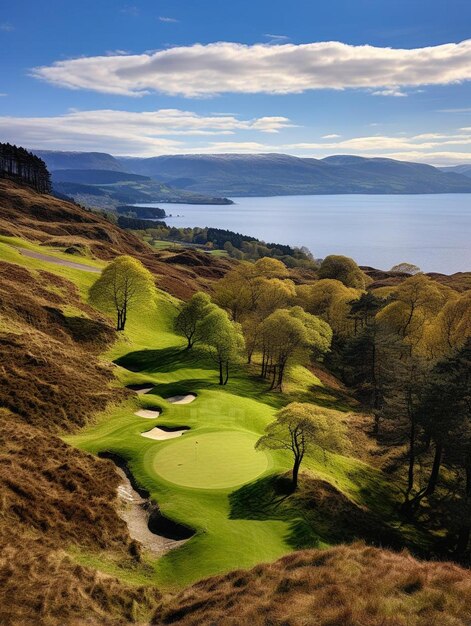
[{"x": 212, "y": 460}]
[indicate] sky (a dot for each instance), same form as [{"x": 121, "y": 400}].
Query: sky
[{"x": 304, "y": 77}]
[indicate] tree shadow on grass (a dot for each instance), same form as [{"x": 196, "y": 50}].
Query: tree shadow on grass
[
  {"x": 317, "y": 512},
  {"x": 172, "y": 359},
  {"x": 155, "y": 360}
]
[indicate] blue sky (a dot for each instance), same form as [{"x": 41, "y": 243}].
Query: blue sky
[{"x": 145, "y": 78}]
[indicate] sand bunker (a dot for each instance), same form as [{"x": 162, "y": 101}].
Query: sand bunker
[
  {"x": 150, "y": 414},
  {"x": 185, "y": 399},
  {"x": 161, "y": 435},
  {"x": 141, "y": 389}
]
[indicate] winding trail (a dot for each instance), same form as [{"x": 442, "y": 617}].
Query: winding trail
[{"x": 56, "y": 261}]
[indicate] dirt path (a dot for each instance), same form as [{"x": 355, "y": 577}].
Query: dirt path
[
  {"x": 133, "y": 512},
  {"x": 56, "y": 261}
]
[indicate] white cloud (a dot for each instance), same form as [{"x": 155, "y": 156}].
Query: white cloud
[
  {"x": 125, "y": 132},
  {"x": 7, "y": 27},
  {"x": 276, "y": 38},
  {"x": 167, "y": 20},
  {"x": 391, "y": 91},
  {"x": 174, "y": 131},
  {"x": 224, "y": 67}
]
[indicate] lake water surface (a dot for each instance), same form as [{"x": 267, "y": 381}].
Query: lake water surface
[{"x": 432, "y": 231}]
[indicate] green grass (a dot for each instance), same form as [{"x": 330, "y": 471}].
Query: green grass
[
  {"x": 194, "y": 483},
  {"x": 215, "y": 460}
]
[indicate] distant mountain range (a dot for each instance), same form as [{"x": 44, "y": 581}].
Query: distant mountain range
[
  {"x": 232, "y": 175},
  {"x": 464, "y": 169},
  {"x": 97, "y": 179}
]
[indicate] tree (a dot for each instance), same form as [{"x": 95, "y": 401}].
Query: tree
[
  {"x": 224, "y": 339},
  {"x": 288, "y": 334},
  {"x": 330, "y": 299},
  {"x": 406, "y": 268},
  {"x": 445, "y": 413},
  {"x": 299, "y": 427},
  {"x": 123, "y": 284},
  {"x": 364, "y": 309},
  {"x": 344, "y": 269},
  {"x": 189, "y": 319},
  {"x": 414, "y": 305}
]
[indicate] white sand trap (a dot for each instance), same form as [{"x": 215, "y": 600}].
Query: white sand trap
[
  {"x": 148, "y": 413},
  {"x": 143, "y": 390},
  {"x": 161, "y": 435},
  {"x": 189, "y": 397}
]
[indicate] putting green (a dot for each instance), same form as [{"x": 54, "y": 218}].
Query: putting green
[{"x": 211, "y": 460}]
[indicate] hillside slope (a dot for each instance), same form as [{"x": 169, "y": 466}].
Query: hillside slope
[
  {"x": 344, "y": 586},
  {"x": 64, "y": 225}
]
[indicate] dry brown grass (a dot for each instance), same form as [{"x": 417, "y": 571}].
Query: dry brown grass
[
  {"x": 41, "y": 586},
  {"x": 50, "y": 375},
  {"x": 343, "y": 586}
]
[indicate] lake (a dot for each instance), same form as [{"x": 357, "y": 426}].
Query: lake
[{"x": 432, "y": 231}]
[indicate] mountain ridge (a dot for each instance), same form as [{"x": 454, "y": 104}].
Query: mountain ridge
[{"x": 271, "y": 174}]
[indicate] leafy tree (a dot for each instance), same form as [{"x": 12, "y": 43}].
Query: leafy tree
[
  {"x": 406, "y": 268},
  {"x": 123, "y": 284},
  {"x": 330, "y": 299},
  {"x": 189, "y": 319},
  {"x": 452, "y": 326},
  {"x": 288, "y": 335},
  {"x": 344, "y": 269},
  {"x": 224, "y": 339},
  {"x": 301, "y": 427},
  {"x": 414, "y": 305}
]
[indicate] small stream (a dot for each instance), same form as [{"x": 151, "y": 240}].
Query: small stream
[{"x": 146, "y": 523}]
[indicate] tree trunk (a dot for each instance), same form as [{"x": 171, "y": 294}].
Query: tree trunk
[
  {"x": 437, "y": 461},
  {"x": 121, "y": 320},
  {"x": 410, "y": 471},
  {"x": 227, "y": 373},
  {"x": 465, "y": 529},
  {"x": 294, "y": 480},
  {"x": 221, "y": 379}
]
